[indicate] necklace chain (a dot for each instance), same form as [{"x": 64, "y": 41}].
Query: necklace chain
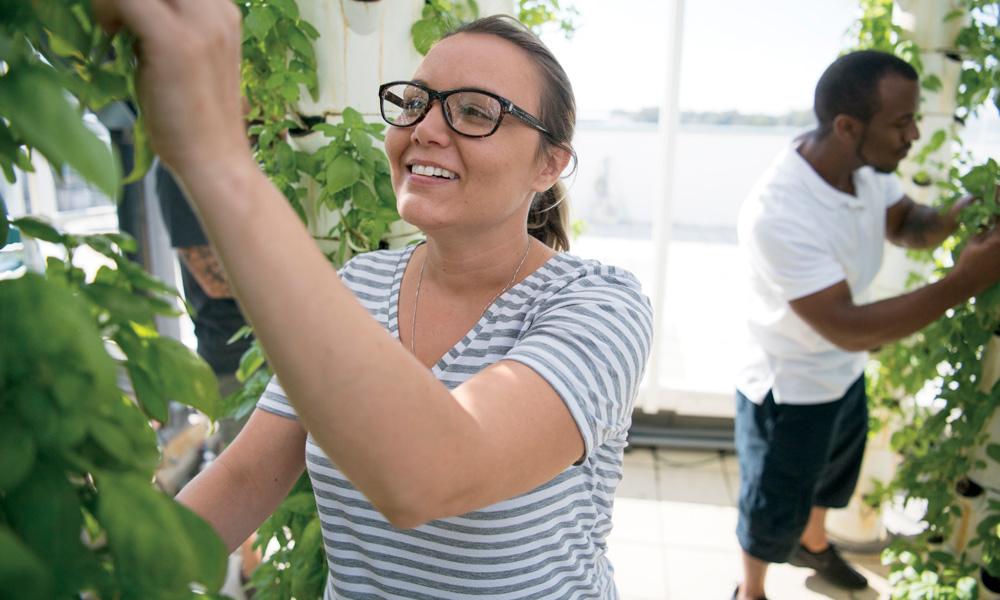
[{"x": 420, "y": 279}]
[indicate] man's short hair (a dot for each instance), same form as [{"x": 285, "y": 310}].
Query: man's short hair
[{"x": 849, "y": 86}]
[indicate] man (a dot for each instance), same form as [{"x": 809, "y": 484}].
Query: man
[
  {"x": 216, "y": 317},
  {"x": 812, "y": 233}
]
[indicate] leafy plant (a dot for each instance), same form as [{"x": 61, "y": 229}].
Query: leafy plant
[
  {"x": 438, "y": 18},
  {"x": 537, "y": 14},
  {"x": 943, "y": 361},
  {"x": 50, "y": 47},
  {"x": 79, "y": 451},
  {"x": 441, "y": 16}
]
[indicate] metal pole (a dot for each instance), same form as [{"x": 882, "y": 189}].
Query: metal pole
[{"x": 663, "y": 216}]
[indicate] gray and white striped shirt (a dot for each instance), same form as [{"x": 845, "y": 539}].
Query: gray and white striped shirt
[{"x": 586, "y": 329}]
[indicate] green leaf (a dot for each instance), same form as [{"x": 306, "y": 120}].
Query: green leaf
[
  {"x": 308, "y": 29},
  {"x": 301, "y": 44},
  {"x": 353, "y": 119},
  {"x": 242, "y": 332},
  {"x": 122, "y": 304},
  {"x": 45, "y": 513},
  {"x": 251, "y": 360},
  {"x": 164, "y": 550},
  {"x": 37, "y": 110},
  {"x": 259, "y": 21},
  {"x": 142, "y": 154},
  {"x": 309, "y": 574},
  {"x": 362, "y": 140},
  {"x": 208, "y": 552},
  {"x": 21, "y": 569},
  {"x": 58, "y": 334},
  {"x": 57, "y": 17},
  {"x": 993, "y": 451},
  {"x": 424, "y": 33},
  {"x": 113, "y": 86},
  {"x": 112, "y": 440},
  {"x": 342, "y": 173},
  {"x": 185, "y": 377},
  {"x": 147, "y": 392},
  {"x": 287, "y": 7},
  {"x": 362, "y": 196},
  {"x": 17, "y": 448},
  {"x": 931, "y": 83},
  {"x": 38, "y": 229}
]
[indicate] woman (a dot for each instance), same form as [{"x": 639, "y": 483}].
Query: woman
[{"x": 466, "y": 400}]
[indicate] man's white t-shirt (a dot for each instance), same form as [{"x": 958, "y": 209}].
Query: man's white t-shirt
[{"x": 799, "y": 235}]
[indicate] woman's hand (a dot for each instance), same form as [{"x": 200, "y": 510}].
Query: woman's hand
[{"x": 188, "y": 78}]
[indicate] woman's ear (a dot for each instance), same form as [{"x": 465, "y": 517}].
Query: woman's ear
[{"x": 553, "y": 163}]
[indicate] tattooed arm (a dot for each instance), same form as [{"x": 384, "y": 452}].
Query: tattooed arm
[
  {"x": 913, "y": 225},
  {"x": 204, "y": 265}
]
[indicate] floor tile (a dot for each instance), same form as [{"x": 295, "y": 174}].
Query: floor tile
[
  {"x": 639, "y": 570},
  {"x": 694, "y": 480},
  {"x": 694, "y": 573},
  {"x": 699, "y": 526},
  {"x": 639, "y": 480},
  {"x": 637, "y": 520},
  {"x": 673, "y": 536}
]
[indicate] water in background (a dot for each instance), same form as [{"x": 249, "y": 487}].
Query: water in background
[{"x": 615, "y": 190}]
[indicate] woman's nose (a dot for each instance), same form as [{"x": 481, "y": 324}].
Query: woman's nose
[{"x": 433, "y": 128}]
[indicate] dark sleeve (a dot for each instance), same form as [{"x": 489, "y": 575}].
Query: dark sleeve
[{"x": 178, "y": 216}]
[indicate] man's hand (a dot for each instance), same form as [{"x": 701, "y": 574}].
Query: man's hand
[{"x": 188, "y": 80}]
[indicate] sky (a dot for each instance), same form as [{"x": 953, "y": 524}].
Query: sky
[{"x": 755, "y": 56}]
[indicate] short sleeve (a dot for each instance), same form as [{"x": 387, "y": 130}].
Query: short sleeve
[
  {"x": 792, "y": 258},
  {"x": 893, "y": 189},
  {"x": 590, "y": 342},
  {"x": 274, "y": 400}
]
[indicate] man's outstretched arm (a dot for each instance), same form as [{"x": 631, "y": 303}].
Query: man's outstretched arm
[{"x": 833, "y": 313}]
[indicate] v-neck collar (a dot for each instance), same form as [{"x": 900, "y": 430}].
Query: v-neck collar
[{"x": 441, "y": 366}]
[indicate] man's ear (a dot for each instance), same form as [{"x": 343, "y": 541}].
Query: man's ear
[
  {"x": 847, "y": 129},
  {"x": 554, "y": 162}
]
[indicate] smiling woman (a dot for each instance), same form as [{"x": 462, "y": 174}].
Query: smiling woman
[{"x": 463, "y": 405}]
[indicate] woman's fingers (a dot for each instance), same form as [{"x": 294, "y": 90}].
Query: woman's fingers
[
  {"x": 188, "y": 80},
  {"x": 144, "y": 18}
]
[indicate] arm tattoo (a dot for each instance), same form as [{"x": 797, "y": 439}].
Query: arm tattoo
[{"x": 207, "y": 270}]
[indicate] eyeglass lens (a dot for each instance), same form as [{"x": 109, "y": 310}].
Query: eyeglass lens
[{"x": 469, "y": 113}]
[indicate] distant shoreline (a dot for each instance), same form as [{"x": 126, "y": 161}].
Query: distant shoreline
[{"x": 595, "y": 124}]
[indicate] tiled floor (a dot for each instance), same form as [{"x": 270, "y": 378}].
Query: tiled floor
[{"x": 674, "y": 537}]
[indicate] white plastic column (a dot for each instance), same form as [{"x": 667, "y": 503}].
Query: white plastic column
[
  {"x": 923, "y": 21},
  {"x": 650, "y": 397}
]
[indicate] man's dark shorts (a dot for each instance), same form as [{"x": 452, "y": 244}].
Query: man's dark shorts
[{"x": 793, "y": 457}]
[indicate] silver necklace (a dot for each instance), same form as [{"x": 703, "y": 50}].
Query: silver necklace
[{"x": 420, "y": 279}]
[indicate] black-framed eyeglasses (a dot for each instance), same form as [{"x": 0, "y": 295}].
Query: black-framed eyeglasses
[{"x": 468, "y": 111}]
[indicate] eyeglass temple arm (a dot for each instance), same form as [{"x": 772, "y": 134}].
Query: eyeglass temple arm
[
  {"x": 392, "y": 98},
  {"x": 526, "y": 117}
]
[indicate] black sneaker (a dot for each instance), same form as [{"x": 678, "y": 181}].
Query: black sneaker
[
  {"x": 736, "y": 594},
  {"x": 831, "y": 566}
]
